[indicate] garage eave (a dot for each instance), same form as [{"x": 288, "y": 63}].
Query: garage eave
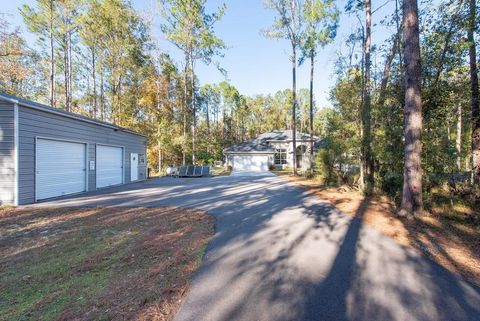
[{"x": 249, "y": 153}]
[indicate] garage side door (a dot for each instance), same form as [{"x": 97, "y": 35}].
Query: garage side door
[
  {"x": 60, "y": 168},
  {"x": 251, "y": 163},
  {"x": 109, "y": 166}
]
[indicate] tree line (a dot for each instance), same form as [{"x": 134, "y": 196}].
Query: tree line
[
  {"x": 98, "y": 58},
  {"x": 413, "y": 119},
  {"x": 405, "y": 113}
]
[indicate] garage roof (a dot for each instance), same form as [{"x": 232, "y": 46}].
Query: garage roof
[{"x": 49, "y": 109}]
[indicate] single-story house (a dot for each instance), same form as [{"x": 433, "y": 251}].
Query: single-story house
[
  {"x": 273, "y": 148},
  {"x": 46, "y": 152}
]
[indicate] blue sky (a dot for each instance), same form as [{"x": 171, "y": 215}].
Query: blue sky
[{"x": 255, "y": 65}]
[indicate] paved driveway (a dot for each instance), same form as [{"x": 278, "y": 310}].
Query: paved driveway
[{"x": 280, "y": 253}]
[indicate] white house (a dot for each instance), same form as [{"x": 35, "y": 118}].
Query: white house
[{"x": 273, "y": 148}]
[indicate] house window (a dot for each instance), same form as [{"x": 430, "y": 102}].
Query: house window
[{"x": 280, "y": 156}]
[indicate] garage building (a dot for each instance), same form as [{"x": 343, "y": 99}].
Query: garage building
[
  {"x": 272, "y": 149},
  {"x": 46, "y": 152}
]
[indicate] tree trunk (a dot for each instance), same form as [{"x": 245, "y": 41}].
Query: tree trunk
[
  {"x": 412, "y": 202},
  {"x": 224, "y": 130},
  {"x": 102, "y": 95},
  {"x": 446, "y": 44},
  {"x": 52, "y": 57},
  {"x": 386, "y": 70},
  {"x": 184, "y": 111},
  {"x": 90, "y": 110},
  {"x": 312, "y": 65},
  {"x": 449, "y": 133},
  {"x": 400, "y": 40},
  {"x": 65, "y": 70},
  {"x": 159, "y": 148},
  {"x": 94, "y": 84},
  {"x": 367, "y": 159},
  {"x": 361, "y": 179},
  {"x": 458, "y": 138},
  {"x": 208, "y": 128},
  {"x": 194, "y": 116},
  {"x": 472, "y": 52},
  {"x": 294, "y": 106},
  {"x": 70, "y": 88}
]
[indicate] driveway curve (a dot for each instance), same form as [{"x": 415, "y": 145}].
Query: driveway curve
[{"x": 281, "y": 253}]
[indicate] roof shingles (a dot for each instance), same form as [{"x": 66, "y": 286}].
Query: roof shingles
[{"x": 261, "y": 144}]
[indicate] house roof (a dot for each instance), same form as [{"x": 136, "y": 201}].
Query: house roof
[
  {"x": 255, "y": 145},
  {"x": 53, "y": 110},
  {"x": 261, "y": 144},
  {"x": 285, "y": 135}
]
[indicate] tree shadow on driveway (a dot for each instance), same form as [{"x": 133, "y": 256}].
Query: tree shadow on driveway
[{"x": 281, "y": 253}]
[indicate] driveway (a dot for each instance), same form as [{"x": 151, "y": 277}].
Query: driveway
[{"x": 280, "y": 253}]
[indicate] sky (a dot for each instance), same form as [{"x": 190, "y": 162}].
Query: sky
[{"x": 254, "y": 64}]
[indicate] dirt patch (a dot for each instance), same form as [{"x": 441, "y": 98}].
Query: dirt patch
[
  {"x": 102, "y": 263},
  {"x": 453, "y": 243}
]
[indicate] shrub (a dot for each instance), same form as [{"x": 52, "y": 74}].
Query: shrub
[
  {"x": 229, "y": 168},
  {"x": 205, "y": 158},
  {"x": 309, "y": 173},
  {"x": 325, "y": 166},
  {"x": 391, "y": 183},
  {"x": 271, "y": 167}
]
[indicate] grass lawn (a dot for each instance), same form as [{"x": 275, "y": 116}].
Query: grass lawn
[
  {"x": 98, "y": 264},
  {"x": 449, "y": 233},
  {"x": 219, "y": 171}
]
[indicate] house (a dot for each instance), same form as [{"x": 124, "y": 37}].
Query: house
[
  {"x": 273, "y": 148},
  {"x": 47, "y": 152}
]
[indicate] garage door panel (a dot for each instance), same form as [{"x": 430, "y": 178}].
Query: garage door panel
[
  {"x": 253, "y": 163},
  {"x": 60, "y": 168},
  {"x": 51, "y": 190},
  {"x": 109, "y": 165}
]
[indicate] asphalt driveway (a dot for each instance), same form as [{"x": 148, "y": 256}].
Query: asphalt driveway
[{"x": 280, "y": 253}]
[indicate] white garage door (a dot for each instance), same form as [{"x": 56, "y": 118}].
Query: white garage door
[
  {"x": 250, "y": 163},
  {"x": 109, "y": 166},
  {"x": 60, "y": 168}
]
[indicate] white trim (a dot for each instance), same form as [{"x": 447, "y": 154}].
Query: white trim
[
  {"x": 16, "y": 193},
  {"x": 123, "y": 164},
  {"x": 248, "y": 153},
  {"x": 291, "y": 140},
  {"x": 61, "y": 140}
]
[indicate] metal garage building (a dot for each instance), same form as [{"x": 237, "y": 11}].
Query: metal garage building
[{"x": 46, "y": 152}]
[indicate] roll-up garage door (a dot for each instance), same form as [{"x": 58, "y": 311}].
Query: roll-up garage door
[
  {"x": 250, "y": 163},
  {"x": 60, "y": 168},
  {"x": 109, "y": 165}
]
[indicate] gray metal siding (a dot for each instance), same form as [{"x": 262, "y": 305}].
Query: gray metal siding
[
  {"x": 7, "y": 156},
  {"x": 34, "y": 123}
]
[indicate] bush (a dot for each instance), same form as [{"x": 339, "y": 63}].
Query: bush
[
  {"x": 271, "y": 167},
  {"x": 229, "y": 168},
  {"x": 205, "y": 158},
  {"x": 391, "y": 184},
  {"x": 325, "y": 166},
  {"x": 431, "y": 181},
  {"x": 309, "y": 173}
]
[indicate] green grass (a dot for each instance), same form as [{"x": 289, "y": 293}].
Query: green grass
[
  {"x": 201, "y": 254},
  {"x": 83, "y": 267},
  {"x": 219, "y": 171},
  {"x": 50, "y": 278}
]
